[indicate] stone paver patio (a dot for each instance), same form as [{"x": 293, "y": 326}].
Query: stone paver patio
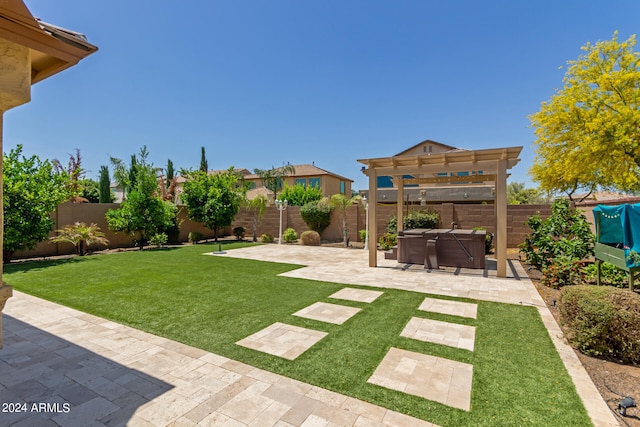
[
  {"x": 434, "y": 378},
  {"x": 283, "y": 340},
  {"x": 445, "y": 333},
  {"x": 358, "y": 295},
  {"x": 454, "y": 308},
  {"x": 330, "y": 313}
]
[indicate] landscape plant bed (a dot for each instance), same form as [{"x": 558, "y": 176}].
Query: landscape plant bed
[
  {"x": 613, "y": 380},
  {"x": 212, "y": 302}
]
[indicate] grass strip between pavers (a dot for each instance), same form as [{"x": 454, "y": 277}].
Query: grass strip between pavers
[{"x": 212, "y": 302}]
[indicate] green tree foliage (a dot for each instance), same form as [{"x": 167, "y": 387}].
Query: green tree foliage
[
  {"x": 81, "y": 236},
  {"x": 562, "y": 239},
  {"x": 213, "y": 199},
  {"x": 424, "y": 218},
  {"x": 341, "y": 204},
  {"x": 104, "y": 188},
  {"x": 588, "y": 133},
  {"x": 299, "y": 195},
  {"x": 89, "y": 190},
  {"x": 273, "y": 178},
  {"x": 317, "y": 215},
  {"x": 517, "y": 194},
  {"x": 32, "y": 190},
  {"x": 143, "y": 214},
  {"x": 170, "y": 173},
  {"x": 204, "y": 165}
]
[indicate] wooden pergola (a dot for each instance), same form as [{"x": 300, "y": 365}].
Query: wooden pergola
[{"x": 494, "y": 164}]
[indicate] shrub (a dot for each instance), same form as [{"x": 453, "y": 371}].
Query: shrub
[
  {"x": 488, "y": 240},
  {"x": 317, "y": 215},
  {"x": 388, "y": 240},
  {"x": 290, "y": 235},
  {"x": 266, "y": 238},
  {"x": 566, "y": 233},
  {"x": 609, "y": 275},
  {"x": 564, "y": 271},
  {"x": 426, "y": 218},
  {"x": 602, "y": 321},
  {"x": 81, "y": 236},
  {"x": 363, "y": 235},
  {"x": 299, "y": 195},
  {"x": 158, "y": 239},
  {"x": 195, "y": 236},
  {"x": 239, "y": 232},
  {"x": 310, "y": 238}
]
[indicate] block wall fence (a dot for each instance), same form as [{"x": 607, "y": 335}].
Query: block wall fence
[{"x": 464, "y": 215}]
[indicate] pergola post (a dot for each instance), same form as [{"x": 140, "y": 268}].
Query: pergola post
[
  {"x": 400, "y": 210},
  {"x": 501, "y": 217},
  {"x": 371, "y": 232}
]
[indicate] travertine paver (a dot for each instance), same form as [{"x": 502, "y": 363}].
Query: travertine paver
[
  {"x": 438, "y": 332},
  {"x": 283, "y": 340},
  {"x": 113, "y": 375},
  {"x": 325, "y": 312},
  {"x": 454, "y": 308},
  {"x": 434, "y": 378},
  {"x": 353, "y": 294}
]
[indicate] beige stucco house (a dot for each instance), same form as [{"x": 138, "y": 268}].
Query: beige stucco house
[
  {"x": 307, "y": 175},
  {"x": 30, "y": 51},
  {"x": 464, "y": 186}
]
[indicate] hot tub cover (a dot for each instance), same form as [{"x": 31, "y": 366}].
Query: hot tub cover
[{"x": 619, "y": 225}]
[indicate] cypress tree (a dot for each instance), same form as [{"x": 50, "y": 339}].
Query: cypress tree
[
  {"x": 104, "y": 187},
  {"x": 204, "y": 166}
]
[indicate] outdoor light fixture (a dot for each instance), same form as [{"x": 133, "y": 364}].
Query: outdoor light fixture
[
  {"x": 625, "y": 403},
  {"x": 281, "y": 205}
]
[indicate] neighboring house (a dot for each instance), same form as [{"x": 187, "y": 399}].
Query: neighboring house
[
  {"x": 307, "y": 176},
  {"x": 453, "y": 187}
]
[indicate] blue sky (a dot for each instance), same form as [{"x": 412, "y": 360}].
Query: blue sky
[{"x": 262, "y": 83}]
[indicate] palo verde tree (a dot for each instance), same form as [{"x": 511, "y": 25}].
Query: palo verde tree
[
  {"x": 143, "y": 214},
  {"x": 32, "y": 189},
  {"x": 588, "y": 133},
  {"x": 213, "y": 199},
  {"x": 273, "y": 178}
]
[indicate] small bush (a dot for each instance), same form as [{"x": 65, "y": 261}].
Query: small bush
[
  {"x": 290, "y": 235},
  {"x": 426, "y": 218},
  {"x": 195, "y": 236},
  {"x": 602, "y": 321},
  {"x": 388, "y": 240},
  {"x": 266, "y": 238},
  {"x": 564, "y": 271},
  {"x": 566, "y": 233},
  {"x": 310, "y": 238},
  {"x": 317, "y": 215},
  {"x": 239, "y": 232},
  {"x": 159, "y": 239},
  {"x": 363, "y": 235},
  {"x": 609, "y": 275}
]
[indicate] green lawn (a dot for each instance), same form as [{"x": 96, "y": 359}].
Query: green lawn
[{"x": 212, "y": 302}]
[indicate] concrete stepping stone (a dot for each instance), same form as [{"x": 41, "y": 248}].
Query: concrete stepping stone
[
  {"x": 359, "y": 295},
  {"x": 325, "y": 312},
  {"x": 445, "y": 333},
  {"x": 433, "y": 378},
  {"x": 280, "y": 339},
  {"x": 454, "y": 308}
]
